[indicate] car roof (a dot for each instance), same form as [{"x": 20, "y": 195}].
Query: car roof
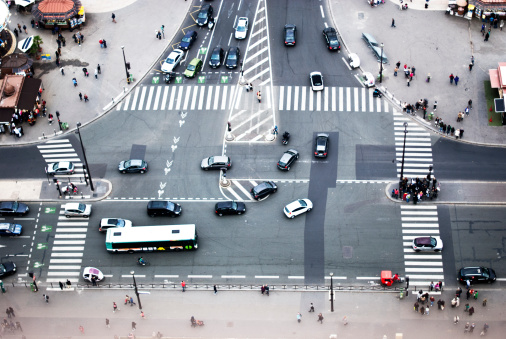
[
  {"x": 176, "y": 51},
  {"x": 290, "y": 26},
  {"x": 189, "y": 33},
  {"x": 217, "y": 48},
  {"x": 220, "y": 158},
  {"x": 5, "y": 225},
  {"x": 315, "y": 73},
  {"x": 205, "y": 6},
  {"x": 71, "y": 205},
  {"x": 195, "y": 61},
  {"x": 329, "y": 30},
  {"x": 233, "y": 49},
  {"x": 242, "y": 20},
  {"x": 135, "y": 162},
  {"x": 6, "y": 203},
  {"x": 424, "y": 240},
  {"x": 472, "y": 270},
  {"x": 223, "y": 204}
]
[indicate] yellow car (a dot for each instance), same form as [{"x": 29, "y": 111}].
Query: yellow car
[{"x": 193, "y": 68}]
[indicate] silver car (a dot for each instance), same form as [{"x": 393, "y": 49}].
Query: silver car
[
  {"x": 61, "y": 167},
  {"x": 242, "y": 28},
  {"x": 427, "y": 244},
  {"x": 77, "y": 210}
]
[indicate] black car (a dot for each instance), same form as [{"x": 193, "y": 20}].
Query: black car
[
  {"x": 7, "y": 268},
  {"x": 13, "y": 208},
  {"x": 263, "y": 190},
  {"x": 330, "y": 35},
  {"x": 230, "y": 207},
  {"x": 164, "y": 207},
  {"x": 321, "y": 145},
  {"x": 216, "y": 57},
  {"x": 476, "y": 274},
  {"x": 290, "y": 35},
  {"x": 232, "y": 57},
  {"x": 205, "y": 13},
  {"x": 287, "y": 160},
  {"x": 187, "y": 40}
]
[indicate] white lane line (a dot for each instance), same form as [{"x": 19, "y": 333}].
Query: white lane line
[
  {"x": 72, "y": 223},
  {"x": 54, "y": 146},
  {"x": 385, "y": 106},
  {"x": 250, "y": 58},
  {"x": 245, "y": 121},
  {"x": 299, "y": 277},
  {"x": 363, "y": 99},
  {"x": 141, "y": 101},
  {"x": 281, "y": 97},
  {"x": 216, "y": 98},
  {"x": 378, "y": 105},
  {"x": 303, "y": 101},
  {"x": 209, "y": 97},
  {"x": 326, "y": 99},
  {"x": 179, "y": 98},
  {"x": 311, "y": 97},
  {"x": 423, "y": 256},
  {"x": 341, "y": 99},
  {"x": 420, "y": 225},
  {"x": 69, "y": 242},
  {"x": 355, "y": 96},
  {"x": 233, "y": 276},
  {"x": 431, "y": 277},
  {"x": 65, "y": 261},
  {"x": 420, "y": 232},
  {"x": 231, "y": 100},
  {"x": 371, "y": 101},
  {"x": 249, "y": 130},
  {"x": 70, "y": 236},
  {"x": 257, "y": 42},
  {"x": 194, "y": 98},
  {"x": 59, "y": 155},
  {"x": 413, "y": 149},
  {"x": 258, "y": 32},
  {"x": 288, "y": 97},
  {"x": 164, "y": 99},
  {"x": 172, "y": 98},
  {"x": 243, "y": 190},
  {"x": 62, "y": 274},
  {"x": 418, "y": 213},
  {"x": 58, "y": 141},
  {"x": 187, "y": 98},
  {"x": 64, "y": 267},
  {"x": 237, "y": 196},
  {"x": 71, "y": 230},
  {"x": 130, "y": 276},
  {"x": 199, "y": 276},
  {"x": 201, "y": 98},
  {"x": 150, "y": 98},
  {"x": 411, "y": 154},
  {"x": 134, "y": 101},
  {"x": 74, "y": 280},
  {"x": 238, "y": 114},
  {"x": 66, "y": 254},
  {"x": 334, "y": 99},
  {"x": 423, "y": 263},
  {"x": 68, "y": 248},
  {"x": 348, "y": 99},
  {"x": 424, "y": 270},
  {"x": 413, "y": 134},
  {"x": 126, "y": 101},
  {"x": 224, "y": 98},
  {"x": 65, "y": 150},
  {"x": 266, "y": 276},
  {"x": 258, "y": 75},
  {"x": 319, "y": 101},
  {"x": 166, "y": 276},
  {"x": 296, "y": 99},
  {"x": 256, "y": 65}
]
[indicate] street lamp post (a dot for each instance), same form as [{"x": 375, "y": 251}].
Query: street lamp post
[
  {"x": 381, "y": 63},
  {"x": 403, "y": 152},
  {"x": 84, "y": 155},
  {"x": 127, "y": 66},
  {"x": 331, "y": 293},
  {"x": 136, "y": 290}
]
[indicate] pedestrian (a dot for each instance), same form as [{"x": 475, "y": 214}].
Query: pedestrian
[
  {"x": 8, "y": 312},
  {"x": 98, "y": 69},
  {"x": 475, "y": 295},
  {"x": 61, "y": 285},
  {"x": 311, "y": 308},
  {"x": 468, "y": 294},
  {"x": 58, "y": 62},
  {"x": 19, "y": 27},
  {"x": 101, "y": 42},
  {"x": 18, "y": 326},
  {"x": 96, "y": 73},
  {"x": 484, "y": 303},
  {"x": 259, "y": 96},
  {"x": 107, "y": 323},
  {"x": 482, "y": 29},
  {"x": 471, "y": 329},
  {"x": 428, "y": 78},
  {"x": 59, "y": 50},
  {"x": 81, "y": 328},
  {"x": 75, "y": 85},
  {"x": 50, "y": 118},
  {"x": 11, "y": 310},
  {"x": 439, "y": 304},
  {"x": 431, "y": 286},
  {"x": 470, "y": 104},
  {"x": 24, "y": 28},
  {"x": 183, "y": 285},
  {"x": 416, "y": 306},
  {"x": 422, "y": 310},
  {"x": 432, "y": 299},
  {"x": 456, "y": 319},
  {"x": 114, "y": 307},
  {"x": 461, "y": 133},
  {"x": 396, "y": 69},
  {"x": 299, "y": 317},
  {"x": 16, "y": 32},
  {"x": 427, "y": 310},
  {"x": 250, "y": 87},
  {"x": 62, "y": 70},
  {"x": 127, "y": 299},
  {"x": 407, "y": 282},
  {"x": 470, "y": 67},
  {"x": 215, "y": 289},
  {"x": 451, "y": 78},
  {"x": 133, "y": 325},
  {"x": 142, "y": 315},
  {"x": 85, "y": 70},
  {"x": 345, "y": 320},
  {"x": 448, "y": 129},
  {"x": 262, "y": 289},
  {"x": 113, "y": 18},
  {"x": 468, "y": 284},
  {"x": 93, "y": 279},
  {"x": 436, "y": 287},
  {"x": 80, "y": 96},
  {"x": 46, "y": 298},
  {"x": 471, "y": 310},
  {"x": 320, "y": 318},
  {"x": 487, "y": 36},
  {"x": 132, "y": 301},
  {"x": 456, "y": 80},
  {"x": 393, "y": 23},
  {"x": 105, "y": 43},
  {"x": 58, "y": 42},
  {"x": 63, "y": 41},
  {"x": 408, "y": 81}
]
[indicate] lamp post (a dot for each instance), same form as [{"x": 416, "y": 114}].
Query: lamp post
[
  {"x": 403, "y": 152},
  {"x": 136, "y": 290},
  {"x": 381, "y": 63},
  {"x": 331, "y": 293},
  {"x": 84, "y": 155},
  {"x": 127, "y": 65}
]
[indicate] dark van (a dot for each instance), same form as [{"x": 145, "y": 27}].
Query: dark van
[{"x": 164, "y": 207}]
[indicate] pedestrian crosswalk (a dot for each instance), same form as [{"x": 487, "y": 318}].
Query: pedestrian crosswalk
[
  {"x": 239, "y": 189},
  {"x": 61, "y": 150},
  {"x": 421, "y": 267},
  {"x": 418, "y": 151},
  {"x": 224, "y": 97},
  {"x": 68, "y": 247}
]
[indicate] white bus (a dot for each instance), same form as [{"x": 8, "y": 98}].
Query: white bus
[{"x": 151, "y": 238}]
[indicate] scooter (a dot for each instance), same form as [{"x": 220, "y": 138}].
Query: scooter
[
  {"x": 169, "y": 76},
  {"x": 196, "y": 323},
  {"x": 286, "y": 137},
  {"x": 377, "y": 93}
]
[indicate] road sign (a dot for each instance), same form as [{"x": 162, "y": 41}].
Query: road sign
[
  {"x": 202, "y": 79},
  {"x": 46, "y": 228},
  {"x": 202, "y": 50},
  {"x": 42, "y": 246},
  {"x": 155, "y": 80},
  {"x": 50, "y": 210},
  {"x": 224, "y": 79},
  {"x": 179, "y": 80}
]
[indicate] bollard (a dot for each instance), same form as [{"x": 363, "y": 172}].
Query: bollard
[
  {"x": 401, "y": 295},
  {"x": 82, "y": 196}
]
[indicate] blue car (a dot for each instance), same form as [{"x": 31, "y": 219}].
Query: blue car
[
  {"x": 8, "y": 229},
  {"x": 187, "y": 40}
]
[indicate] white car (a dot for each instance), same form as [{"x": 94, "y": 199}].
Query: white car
[
  {"x": 76, "y": 209},
  {"x": 242, "y": 28},
  {"x": 316, "y": 81},
  {"x": 62, "y": 167},
  {"x": 427, "y": 244},
  {"x": 92, "y": 272},
  {"x": 298, "y": 207},
  {"x": 368, "y": 79},
  {"x": 107, "y": 223},
  {"x": 354, "y": 60},
  {"x": 172, "y": 60}
]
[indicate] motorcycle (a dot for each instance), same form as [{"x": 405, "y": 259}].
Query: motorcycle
[
  {"x": 286, "y": 137},
  {"x": 169, "y": 76},
  {"x": 142, "y": 262},
  {"x": 387, "y": 279},
  {"x": 377, "y": 93},
  {"x": 196, "y": 322}
]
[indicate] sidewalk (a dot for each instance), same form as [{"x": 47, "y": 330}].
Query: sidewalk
[
  {"x": 245, "y": 314},
  {"x": 141, "y": 49},
  {"x": 434, "y": 43}
]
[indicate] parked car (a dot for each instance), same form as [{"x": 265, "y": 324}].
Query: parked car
[
  {"x": 216, "y": 162},
  {"x": 193, "y": 68},
  {"x": 241, "y": 30},
  {"x": 7, "y": 268},
  {"x": 107, "y": 223},
  {"x": 11, "y": 208},
  {"x": 172, "y": 60},
  {"x": 331, "y": 39},
  {"x": 354, "y": 60},
  {"x": 8, "y": 229},
  {"x": 263, "y": 190},
  {"x": 316, "y": 81},
  {"x": 368, "y": 79},
  {"x": 229, "y": 207},
  {"x": 233, "y": 56},
  {"x": 297, "y": 207},
  {"x": 187, "y": 40},
  {"x": 76, "y": 209},
  {"x": 290, "y": 35},
  {"x": 61, "y": 167},
  {"x": 216, "y": 57},
  {"x": 287, "y": 159},
  {"x": 376, "y": 48},
  {"x": 92, "y": 272},
  {"x": 205, "y": 13},
  {"x": 321, "y": 145},
  {"x": 133, "y": 166},
  {"x": 476, "y": 274},
  {"x": 427, "y": 244},
  {"x": 164, "y": 207}
]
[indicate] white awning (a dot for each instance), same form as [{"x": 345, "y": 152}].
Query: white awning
[
  {"x": 24, "y": 3},
  {"x": 25, "y": 44}
]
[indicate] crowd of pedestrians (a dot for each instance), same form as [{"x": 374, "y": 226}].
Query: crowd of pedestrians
[{"x": 417, "y": 190}]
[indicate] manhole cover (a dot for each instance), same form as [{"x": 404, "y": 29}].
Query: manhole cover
[
  {"x": 360, "y": 15},
  {"x": 347, "y": 252}
]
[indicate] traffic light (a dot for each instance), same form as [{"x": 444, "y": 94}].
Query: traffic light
[{"x": 127, "y": 65}]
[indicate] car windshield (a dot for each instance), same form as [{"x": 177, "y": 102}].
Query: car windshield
[
  {"x": 302, "y": 203},
  {"x": 120, "y": 223},
  {"x": 320, "y": 144},
  {"x": 81, "y": 207},
  {"x": 186, "y": 39},
  {"x": 317, "y": 80},
  {"x": 215, "y": 56},
  {"x": 233, "y": 205},
  {"x": 15, "y": 206},
  {"x": 333, "y": 40},
  {"x": 486, "y": 272},
  {"x": 169, "y": 60},
  {"x": 232, "y": 56},
  {"x": 210, "y": 161},
  {"x": 289, "y": 34},
  {"x": 191, "y": 67},
  {"x": 241, "y": 28},
  {"x": 128, "y": 163},
  {"x": 56, "y": 166},
  {"x": 202, "y": 15},
  {"x": 2, "y": 269}
]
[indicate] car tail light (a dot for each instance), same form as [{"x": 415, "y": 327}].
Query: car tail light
[
  {"x": 325, "y": 154},
  {"x": 286, "y": 43},
  {"x": 229, "y": 165},
  {"x": 315, "y": 153},
  {"x": 216, "y": 212}
]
